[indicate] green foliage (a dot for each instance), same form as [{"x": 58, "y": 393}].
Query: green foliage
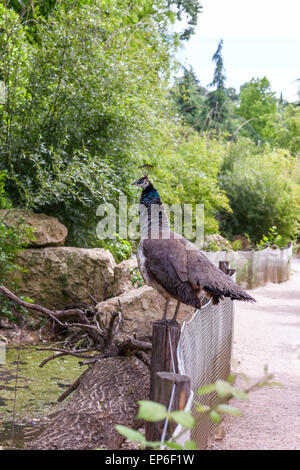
[
  {"x": 261, "y": 193},
  {"x": 189, "y": 99},
  {"x": 225, "y": 392},
  {"x": 216, "y": 242},
  {"x": 219, "y": 74},
  {"x": 256, "y": 104},
  {"x": 121, "y": 249},
  {"x": 205, "y": 110},
  {"x": 187, "y": 172},
  {"x": 135, "y": 277},
  {"x": 283, "y": 128},
  {"x": 84, "y": 100},
  {"x": 271, "y": 238},
  {"x": 188, "y": 9},
  {"x": 79, "y": 110}
]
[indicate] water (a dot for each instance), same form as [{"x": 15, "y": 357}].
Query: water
[{"x": 36, "y": 393}]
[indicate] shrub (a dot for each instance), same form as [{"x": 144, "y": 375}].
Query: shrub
[
  {"x": 187, "y": 173},
  {"x": 79, "y": 110},
  {"x": 262, "y": 194}
]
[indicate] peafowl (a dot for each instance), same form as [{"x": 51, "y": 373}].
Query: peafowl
[{"x": 173, "y": 265}]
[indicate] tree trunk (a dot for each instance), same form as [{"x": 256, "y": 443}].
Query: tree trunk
[{"x": 107, "y": 395}]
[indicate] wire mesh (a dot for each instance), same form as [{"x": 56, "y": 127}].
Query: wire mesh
[
  {"x": 205, "y": 346},
  {"x": 256, "y": 268},
  {"x": 204, "y": 354}
]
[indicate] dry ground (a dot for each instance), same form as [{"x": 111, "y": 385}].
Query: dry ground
[{"x": 268, "y": 332}]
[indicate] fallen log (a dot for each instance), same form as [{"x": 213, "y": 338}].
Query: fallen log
[{"x": 106, "y": 395}]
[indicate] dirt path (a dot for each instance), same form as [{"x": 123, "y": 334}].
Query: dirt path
[{"x": 268, "y": 332}]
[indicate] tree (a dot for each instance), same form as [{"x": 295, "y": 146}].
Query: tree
[
  {"x": 189, "y": 98},
  {"x": 187, "y": 171},
  {"x": 257, "y": 104},
  {"x": 216, "y": 113},
  {"x": 188, "y": 10},
  {"x": 283, "y": 128},
  {"x": 79, "y": 114}
]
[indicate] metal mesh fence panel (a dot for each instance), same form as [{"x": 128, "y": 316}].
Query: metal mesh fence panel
[
  {"x": 256, "y": 268},
  {"x": 205, "y": 346},
  {"x": 204, "y": 354}
]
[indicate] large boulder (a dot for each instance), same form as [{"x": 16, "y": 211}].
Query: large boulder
[
  {"x": 139, "y": 307},
  {"x": 48, "y": 231},
  {"x": 62, "y": 276},
  {"x": 127, "y": 277}
]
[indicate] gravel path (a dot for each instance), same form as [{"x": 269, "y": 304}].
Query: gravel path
[{"x": 268, "y": 332}]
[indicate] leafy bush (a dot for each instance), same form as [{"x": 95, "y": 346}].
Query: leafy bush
[
  {"x": 261, "y": 193},
  {"x": 187, "y": 173},
  {"x": 119, "y": 248},
  {"x": 257, "y": 104},
  {"x": 272, "y": 238},
  {"x": 283, "y": 128},
  {"x": 79, "y": 110}
]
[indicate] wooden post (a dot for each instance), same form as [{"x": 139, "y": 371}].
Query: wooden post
[
  {"x": 165, "y": 382},
  {"x": 164, "y": 334},
  {"x": 224, "y": 266}
]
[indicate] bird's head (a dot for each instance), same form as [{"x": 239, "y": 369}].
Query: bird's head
[{"x": 142, "y": 182}]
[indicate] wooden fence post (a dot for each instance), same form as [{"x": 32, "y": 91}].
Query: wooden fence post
[
  {"x": 165, "y": 382},
  {"x": 224, "y": 266},
  {"x": 165, "y": 337},
  {"x": 163, "y": 334}
]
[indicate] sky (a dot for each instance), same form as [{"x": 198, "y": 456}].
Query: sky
[{"x": 261, "y": 38}]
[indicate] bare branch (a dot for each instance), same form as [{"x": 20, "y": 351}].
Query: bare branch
[{"x": 70, "y": 389}]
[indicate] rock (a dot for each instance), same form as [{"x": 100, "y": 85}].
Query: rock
[
  {"x": 62, "y": 276},
  {"x": 216, "y": 242},
  {"x": 140, "y": 307},
  {"x": 5, "y": 324},
  {"x": 127, "y": 277},
  {"x": 245, "y": 243},
  {"x": 48, "y": 230}
]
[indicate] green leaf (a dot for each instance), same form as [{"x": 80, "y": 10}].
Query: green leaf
[
  {"x": 151, "y": 411},
  {"x": 223, "y": 389},
  {"x": 154, "y": 444},
  {"x": 202, "y": 408},
  {"x": 184, "y": 418},
  {"x": 173, "y": 445},
  {"x": 131, "y": 434},
  {"x": 231, "y": 410},
  {"x": 239, "y": 394},
  {"x": 190, "y": 445},
  {"x": 214, "y": 416},
  {"x": 206, "y": 389},
  {"x": 231, "y": 378}
]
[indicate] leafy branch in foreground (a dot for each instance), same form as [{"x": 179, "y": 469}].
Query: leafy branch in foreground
[{"x": 225, "y": 392}]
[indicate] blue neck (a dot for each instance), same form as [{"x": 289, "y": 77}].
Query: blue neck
[{"x": 149, "y": 196}]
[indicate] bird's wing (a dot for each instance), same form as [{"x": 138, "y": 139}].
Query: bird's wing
[
  {"x": 181, "y": 268},
  {"x": 166, "y": 262},
  {"x": 204, "y": 274}
]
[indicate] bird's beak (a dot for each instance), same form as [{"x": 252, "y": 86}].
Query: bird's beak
[{"x": 134, "y": 184}]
